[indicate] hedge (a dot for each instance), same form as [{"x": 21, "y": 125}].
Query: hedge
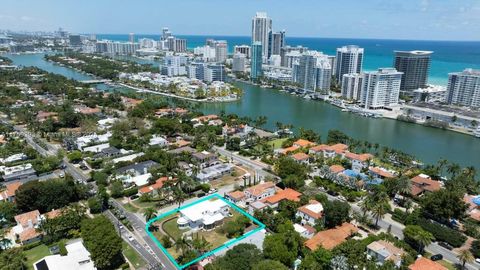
[{"x": 442, "y": 233}]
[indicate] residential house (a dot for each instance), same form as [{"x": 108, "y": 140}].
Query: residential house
[
  {"x": 92, "y": 139},
  {"x": 331, "y": 238},
  {"x": 203, "y": 119},
  {"x": 301, "y": 143},
  {"x": 186, "y": 168},
  {"x": 181, "y": 150},
  {"x": 381, "y": 173},
  {"x": 85, "y": 110},
  {"x": 152, "y": 189},
  {"x": 130, "y": 102},
  {"x": 423, "y": 263},
  {"x": 106, "y": 123},
  {"x": 108, "y": 152},
  {"x": 77, "y": 258},
  {"x": 20, "y": 172},
  {"x": 98, "y": 148},
  {"x": 204, "y": 215},
  {"x": 170, "y": 112},
  {"x": 157, "y": 140},
  {"x": 359, "y": 161},
  {"x": 382, "y": 251},
  {"x": 305, "y": 231},
  {"x": 13, "y": 158},
  {"x": 127, "y": 158},
  {"x": 301, "y": 158},
  {"x": 422, "y": 184},
  {"x": 473, "y": 203},
  {"x": 260, "y": 191},
  {"x": 286, "y": 151},
  {"x": 335, "y": 150},
  {"x": 44, "y": 116},
  {"x": 310, "y": 213},
  {"x": 216, "y": 171},
  {"x": 136, "y": 173},
  {"x": 26, "y": 229},
  {"x": 287, "y": 194},
  {"x": 256, "y": 206},
  {"x": 236, "y": 197},
  {"x": 205, "y": 159},
  {"x": 336, "y": 169},
  {"x": 8, "y": 194}
]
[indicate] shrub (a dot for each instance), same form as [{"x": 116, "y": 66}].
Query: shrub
[
  {"x": 130, "y": 192},
  {"x": 475, "y": 249},
  {"x": 399, "y": 215},
  {"x": 442, "y": 233}
]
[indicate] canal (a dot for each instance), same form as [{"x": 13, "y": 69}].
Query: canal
[{"x": 427, "y": 144}]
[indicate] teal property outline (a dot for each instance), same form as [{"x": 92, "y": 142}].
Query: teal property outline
[{"x": 261, "y": 226}]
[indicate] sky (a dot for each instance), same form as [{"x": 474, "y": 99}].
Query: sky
[{"x": 388, "y": 19}]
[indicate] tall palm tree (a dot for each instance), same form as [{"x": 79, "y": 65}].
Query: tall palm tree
[
  {"x": 381, "y": 206},
  {"x": 149, "y": 213},
  {"x": 366, "y": 205},
  {"x": 200, "y": 244},
  {"x": 441, "y": 165},
  {"x": 403, "y": 185},
  {"x": 453, "y": 169},
  {"x": 182, "y": 244},
  {"x": 465, "y": 256},
  {"x": 179, "y": 196},
  {"x": 423, "y": 239}
]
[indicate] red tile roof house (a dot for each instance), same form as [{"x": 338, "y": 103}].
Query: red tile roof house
[
  {"x": 152, "y": 189},
  {"x": 359, "y": 161},
  {"x": 422, "y": 184},
  {"x": 331, "y": 238},
  {"x": 301, "y": 143},
  {"x": 287, "y": 194},
  {"x": 286, "y": 151},
  {"x": 27, "y": 224},
  {"x": 260, "y": 191},
  {"x": 8, "y": 194},
  {"x": 381, "y": 173},
  {"x": 236, "y": 197},
  {"x": 423, "y": 263},
  {"x": 310, "y": 213},
  {"x": 301, "y": 158},
  {"x": 473, "y": 209},
  {"x": 329, "y": 151},
  {"x": 336, "y": 169}
]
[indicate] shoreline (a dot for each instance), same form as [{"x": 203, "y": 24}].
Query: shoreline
[{"x": 385, "y": 116}]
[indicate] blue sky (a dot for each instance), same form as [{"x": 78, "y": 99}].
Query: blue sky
[{"x": 393, "y": 19}]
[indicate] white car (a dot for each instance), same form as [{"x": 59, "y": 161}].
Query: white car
[
  {"x": 477, "y": 260},
  {"x": 130, "y": 238}
]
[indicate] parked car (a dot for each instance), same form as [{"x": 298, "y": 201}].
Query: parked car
[
  {"x": 477, "y": 260},
  {"x": 445, "y": 245},
  {"x": 436, "y": 257},
  {"x": 333, "y": 193},
  {"x": 130, "y": 238}
]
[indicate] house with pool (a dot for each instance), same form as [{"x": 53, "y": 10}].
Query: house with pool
[{"x": 206, "y": 215}]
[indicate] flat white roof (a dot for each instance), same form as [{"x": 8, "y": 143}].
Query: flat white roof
[
  {"x": 78, "y": 258},
  {"x": 316, "y": 208},
  {"x": 196, "y": 211},
  {"x": 127, "y": 158}
]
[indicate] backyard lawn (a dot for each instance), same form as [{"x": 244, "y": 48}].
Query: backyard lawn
[
  {"x": 227, "y": 179},
  {"x": 277, "y": 143},
  {"x": 36, "y": 254},
  {"x": 132, "y": 256}
]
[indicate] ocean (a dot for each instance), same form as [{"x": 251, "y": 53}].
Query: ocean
[{"x": 448, "y": 56}]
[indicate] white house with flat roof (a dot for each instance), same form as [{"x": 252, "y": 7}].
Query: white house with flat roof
[
  {"x": 203, "y": 215},
  {"x": 77, "y": 258}
]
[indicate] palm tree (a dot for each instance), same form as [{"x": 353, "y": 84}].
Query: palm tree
[
  {"x": 182, "y": 244},
  {"x": 465, "y": 256},
  {"x": 423, "y": 239},
  {"x": 149, "y": 213},
  {"x": 441, "y": 165},
  {"x": 200, "y": 244},
  {"x": 179, "y": 196},
  {"x": 453, "y": 169},
  {"x": 366, "y": 205},
  {"x": 381, "y": 206},
  {"x": 404, "y": 185}
]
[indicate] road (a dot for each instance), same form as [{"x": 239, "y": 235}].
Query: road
[
  {"x": 396, "y": 228},
  {"x": 142, "y": 242}
]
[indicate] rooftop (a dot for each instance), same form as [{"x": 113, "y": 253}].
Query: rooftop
[
  {"x": 314, "y": 209},
  {"x": 426, "y": 264},
  {"x": 260, "y": 188},
  {"x": 196, "y": 211},
  {"x": 331, "y": 238},
  {"x": 387, "y": 250},
  {"x": 283, "y": 194}
]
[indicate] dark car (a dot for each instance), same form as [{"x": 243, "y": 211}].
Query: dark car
[
  {"x": 445, "y": 245},
  {"x": 333, "y": 193},
  {"x": 436, "y": 257}
]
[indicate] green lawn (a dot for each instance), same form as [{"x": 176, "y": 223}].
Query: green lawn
[
  {"x": 277, "y": 143},
  {"x": 130, "y": 208},
  {"x": 448, "y": 265},
  {"x": 36, "y": 254},
  {"x": 172, "y": 229},
  {"x": 132, "y": 256}
]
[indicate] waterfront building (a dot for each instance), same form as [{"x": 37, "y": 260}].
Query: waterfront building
[
  {"x": 221, "y": 50},
  {"x": 286, "y": 50},
  {"x": 349, "y": 60},
  {"x": 214, "y": 72},
  {"x": 147, "y": 43},
  {"x": 173, "y": 65},
  {"x": 464, "y": 88},
  {"x": 415, "y": 66},
  {"x": 274, "y": 60},
  {"x": 352, "y": 86},
  {"x": 176, "y": 44},
  {"x": 207, "y": 52},
  {"x": 131, "y": 37},
  {"x": 243, "y": 49},
  {"x": 256, "y": 63},
  {"x": 277, "y": 42},
  {"x": 115, "y": 47},
  {"x": 196, "y": 70},
  {"x": 261, "y": 31},
  {"x": 239, "y": 62},
  {"x": 430, "y": 94},
  {"x": 381, "y": 88},
  {"x": 165, "y": 33},
  {"x": 313, "y": 72},
  {"x": 291, "y": 59}
]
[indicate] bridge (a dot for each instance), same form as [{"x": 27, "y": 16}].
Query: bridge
[{"x": 95, "y": 81}]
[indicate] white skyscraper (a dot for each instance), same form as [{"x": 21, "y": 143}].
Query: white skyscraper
[
  {"x": 239, "y": 62},
  {"x": 381, "y": 88},
  {"x": 221, "y": 50},
  {"x": 352, "y": 86},
  {"x": 313, "y": 72},
  {"x": 349, "y": 60},
  {"x": 261, "y": 31},
  {"x": 464, "y": 88},
  {"x": 131, "y": 37}
]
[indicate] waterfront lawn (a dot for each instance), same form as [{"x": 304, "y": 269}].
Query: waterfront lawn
[
  {"x": 132, "y": 256},
  {"x": 35, "y": 254},
  {"x": 277, "y": 143}
]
